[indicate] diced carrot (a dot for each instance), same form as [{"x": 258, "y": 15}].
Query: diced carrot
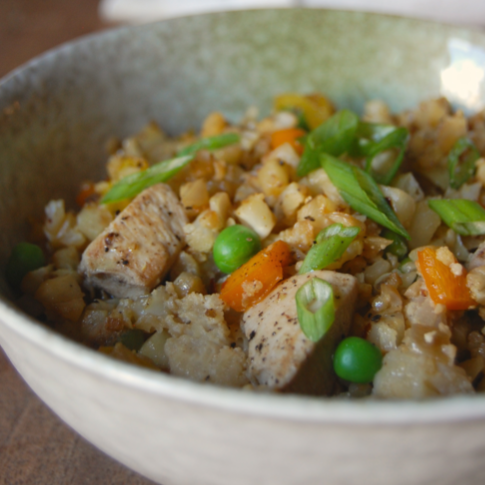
[
  {"x": 444, "y": 286},
  {"x": 87, "y": 191},
  {"x": 254, "y": 280},
  {"x": 289, "y": 135}
]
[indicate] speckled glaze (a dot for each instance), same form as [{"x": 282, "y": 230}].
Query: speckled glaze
[{"x": 57, "y": 112}]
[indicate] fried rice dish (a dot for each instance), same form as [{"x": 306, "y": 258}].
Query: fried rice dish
[{"x": 314, "y": 251}]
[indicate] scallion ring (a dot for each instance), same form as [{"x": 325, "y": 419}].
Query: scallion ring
[{"x": 315, "y": 308}]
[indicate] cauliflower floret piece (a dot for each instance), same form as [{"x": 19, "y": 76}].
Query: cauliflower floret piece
[{"x": 255, "y": 213}]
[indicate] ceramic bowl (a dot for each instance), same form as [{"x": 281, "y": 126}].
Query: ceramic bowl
[{"x": 56, "y": 114}]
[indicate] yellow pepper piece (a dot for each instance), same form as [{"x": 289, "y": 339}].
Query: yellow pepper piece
[{"x": 315, "y": 108}]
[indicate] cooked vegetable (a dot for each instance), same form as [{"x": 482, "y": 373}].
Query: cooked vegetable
[
  {"x": 361, "y": 192},
  {"x": 398, "y": 247},
  {"x": 24, "y": 257},
  {"x": 315, "y": 308},
  {"x": 465, "y": 217},
  {"x": 333, "y": 137},
  {"x": 461, "y": 162},
  {"x": 132, "y": 185},
  {"x": 289, "y": 135},
  {"x": 396, "y": 139},
  {"x": 234, "y": 246},
  {"x": 133, "y": 339},
  {"x": 210, "y": 143},
  {"x": 446, "y": 283},
  {"x": 357, "y": 360},
  {"x": 255, "y": 279},
  {"x": 314, "y": 109},
  {"x": 329, "y": 247}
]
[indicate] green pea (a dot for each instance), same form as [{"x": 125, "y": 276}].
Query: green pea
[
  {"x": 24, "y": 257},
  {"x": 133, "y": 339},
  {"x": 357, "y": 360},
  {"x": 234, "y": 246}
]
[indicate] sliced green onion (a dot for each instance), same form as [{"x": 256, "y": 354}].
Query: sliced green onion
[
  {"x": 398, "y": 247},
  {"x": 335, "y": 137},
  {"x": 161, "y": 172},
  {"x": 368, "y": 133},
  {"x": 362, "y": 193},
  {"x": 461, "y": 162},
  {"x": 210, "y": 143},
  {"x": 133, "y": 184},
  {"x": 465, "y": 217},
  {"x": 396, "y": 139},
  {"x": 373, "y": 139},
  {"x": 302, "y": 122},
  {"x": 331, "y": 244},
  {"x": 315, "y": 308}
]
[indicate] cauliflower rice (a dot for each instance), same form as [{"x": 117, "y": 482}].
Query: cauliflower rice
[{"x": 187, "y": 330}]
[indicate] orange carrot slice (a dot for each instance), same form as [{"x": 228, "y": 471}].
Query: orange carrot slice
[
  {"x": 255, "y": 279},
  {"x": 289, "y": 135},
  {"x": 444, "y": 286}
]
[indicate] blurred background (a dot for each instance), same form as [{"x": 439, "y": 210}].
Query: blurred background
[
  {"x": 28, "y": 27},
  {"x": 453, "y": 11}
]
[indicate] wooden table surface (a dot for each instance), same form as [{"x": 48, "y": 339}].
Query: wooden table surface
[{"x": 36, "y": 448}]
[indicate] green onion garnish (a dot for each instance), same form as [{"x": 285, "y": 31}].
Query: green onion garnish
[
  {"x": 210, "y": 143},
  {"x": 335, "y": 137},
  {"x": 465, "y": 217},
  {"x": 315, "y": 308},
  {"x": 461, "y": 162},
  {"x": 331, "y": 244},
  {"x": 373, "y": 139},
  {"x": 396, "y": 139},
  {"x": 135, "y": 183},
  {"x": 362, "y": 193},
  {"x": 398, "y": 247}
]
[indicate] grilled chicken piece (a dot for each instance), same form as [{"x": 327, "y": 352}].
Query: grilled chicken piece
[
  {"x": 133, "y": 254},
  {"x": 280, "y": 356}
]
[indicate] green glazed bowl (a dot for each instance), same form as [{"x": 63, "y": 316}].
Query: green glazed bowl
[{"x": 56, "y": 114}]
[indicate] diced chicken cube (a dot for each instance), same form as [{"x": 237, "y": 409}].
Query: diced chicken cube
[
  {"x": 280, "y": 356},
  {"x": 133, "y": 254}
]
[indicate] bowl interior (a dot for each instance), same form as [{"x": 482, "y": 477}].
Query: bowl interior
[{"x": 58, "y": 111}]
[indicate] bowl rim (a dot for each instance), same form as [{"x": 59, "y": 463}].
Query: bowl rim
[
  {"x": 258, "y": 404},
  {"x": 119, "y": 29}
]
